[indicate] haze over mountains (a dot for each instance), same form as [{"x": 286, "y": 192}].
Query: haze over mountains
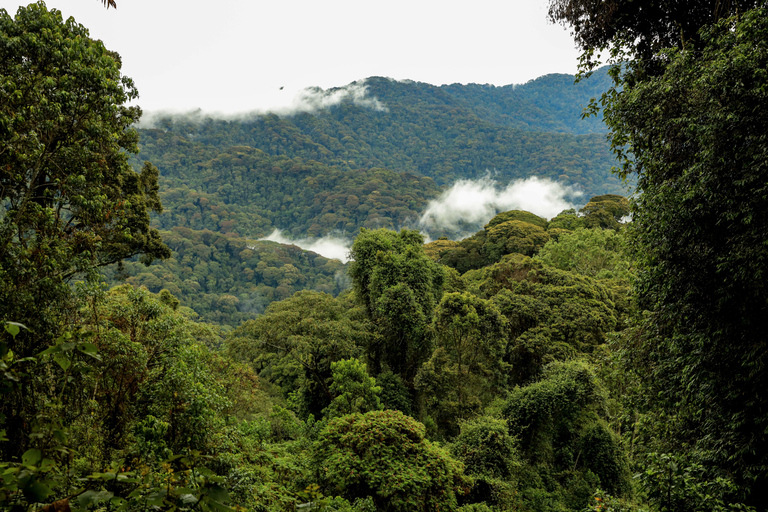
[{"x": 376, "y": 153}]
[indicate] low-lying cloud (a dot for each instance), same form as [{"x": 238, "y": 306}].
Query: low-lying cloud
[
  {"x": 331, "y": 247},
  {"x": 314, "y": 99},
  {"x": 307, "y": 100},
  {"x": 478, "y": 201}
]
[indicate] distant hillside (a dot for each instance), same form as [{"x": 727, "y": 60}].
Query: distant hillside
[
  {"x": 243, "y": 191},
  {"x": 551, "y": 103},
  {"x": 227, "y": 279},
  {"x": 225, "y": 184},
  {"x": 444, "y": 133}
]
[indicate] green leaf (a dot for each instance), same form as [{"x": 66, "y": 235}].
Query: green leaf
[
  {"x": 88, "y": 348},
  {"x": 102, "y": 476},
  {"x": 206, "y": 472},
  {"x": 36, "y": 492},
  {"x": 50, "y": 350},
  {"x": 135, "y": 493},
  {"x": 218, "y": 493},
  {"x": 62, "y": 361},
  {"x": 91, "y": 497},
  {"x": 188, "y": 499},
  {"x": 117, "y": 501},
  {"x": 156, "y": 498},
  {"x": 60, "y": 435},
  {"x": 31, "y": 457}
]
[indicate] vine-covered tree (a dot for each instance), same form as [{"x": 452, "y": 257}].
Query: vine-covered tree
[
  {"x": 399, "y": 286},
  {"x": 384, "y": 455},
  {"x": 70, "y": 200},
  {"x": 466, "y": 369},
  {"x": 689, "y": 120},
  {"x": 700, "y": 227}
]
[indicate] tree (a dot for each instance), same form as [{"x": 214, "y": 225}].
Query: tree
[
  {"x": 560, "y": 424},
  {"x": 466, "y": 369},
  {"x": 354, "y": 389},
  {"x": 514, "y": 236},
  {"x": 491, "y": 458},
  {"x": 295, "y": 343},
  {"x": 383, "y": 454},
  {"x": 697, "y": 134},
  {"x": 596, "y": 253},
  {"x": 606, "y": 211},
  {"x": 637, "y": 31},
  {"x": 399, "y": 287},
  {"x": 71, "y": 201},
  {"x": 689, "y": 121}
]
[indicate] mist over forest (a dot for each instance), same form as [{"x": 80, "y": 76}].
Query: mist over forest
[
  {"x": 372, "y": 154},
  {"x": 391, "y": 296}
]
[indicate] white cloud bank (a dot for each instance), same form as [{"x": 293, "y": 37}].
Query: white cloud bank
[
  {"x": 313, "y": 99},
  {"x": 307, "y": 100},
  {"x": 331, "y": 247},
  {"x": 478, "y": 201}
]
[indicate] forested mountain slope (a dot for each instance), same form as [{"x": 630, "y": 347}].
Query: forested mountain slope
[
  {"x": 227, "y": 280},
  {"x": 445, "y": 133},
  {"x": 360, "y": 164},
  {"x": 550, "y": 103},
  {"x": 243, "y": 190}
]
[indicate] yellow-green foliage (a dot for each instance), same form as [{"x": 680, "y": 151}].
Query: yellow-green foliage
[{"x": 383, "y": 454}]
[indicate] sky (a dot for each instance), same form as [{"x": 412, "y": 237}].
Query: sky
[{"x": 236, "y": 56}]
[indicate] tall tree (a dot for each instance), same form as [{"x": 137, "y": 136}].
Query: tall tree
[
  {"x": 689, "y": 120},
  {"x": 70, "y": 200},
  {"x": 700, "y": 225},
  {"x": 637, "y": 31},
  {"x": 297, "y": 341},
  {"x": 466, "y": 369},
  {"x": 399, "y": 286}
]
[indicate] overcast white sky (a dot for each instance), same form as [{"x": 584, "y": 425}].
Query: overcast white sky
[{"x": 235, "y": 55}]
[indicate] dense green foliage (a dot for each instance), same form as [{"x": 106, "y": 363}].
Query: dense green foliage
[
  {"x": 398, "y": 287},
  {"x": 551, "y": 103},
  {"x": 634, "y": 32},
  {"x": 687, "y": 116},
  {"x": 296, "y": 342},
  {"x": 228, "y": 280},
  {"x": 701, "y": 225},
  {"x": 242, "y": 190},
  {"x": 560, "y": 423},
  {"x": 513, "y": 370},
  {"x": 591, "y": 252},
  {"x": 466, "y": 369},
  {"x": 383, "y": 454},
  {"x": 518, "y": 232},
  {"x": 452, "y": 350},
  {"x": 70, "y": 200}
]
